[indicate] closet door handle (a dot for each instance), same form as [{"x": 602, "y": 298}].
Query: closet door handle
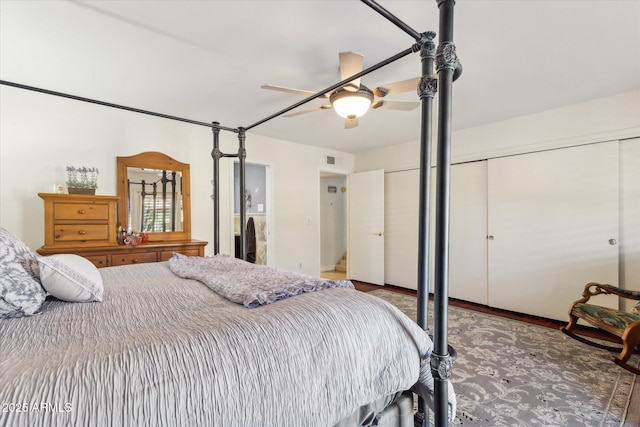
[
  {"x": 613, "y": 242},
  {"x": 379, "y": 233}
]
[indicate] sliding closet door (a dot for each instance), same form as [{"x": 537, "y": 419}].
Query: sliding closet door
[
  {"x": 401, "y": 207},
  {"x": 630, "y": 218},
  {"x": 468, "y": 230},
  {"x": 553, "y": 227}
]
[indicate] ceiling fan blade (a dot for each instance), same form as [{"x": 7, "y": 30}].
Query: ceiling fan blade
[
  {"x": 350, "y": 123},
  {"x": 289, "y": 90},
  {"x": 395, "y": 105},
  {"x": 297, "y": 113},
  {"x": 397, "y": 87},
  {"x": 350, "y": 64}
]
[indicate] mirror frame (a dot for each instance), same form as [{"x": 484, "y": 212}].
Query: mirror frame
[{"x": 160, "y": 161}]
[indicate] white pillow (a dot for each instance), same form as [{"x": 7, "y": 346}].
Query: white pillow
[{"x": 71, "y": 278}]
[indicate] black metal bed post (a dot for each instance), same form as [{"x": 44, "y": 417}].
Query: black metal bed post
[
  {"x": 216, "y": 154},
  {"x": 446, "y": 64},
  {"x": 242, "y": 155},
  {"x": 449, "y": 69},
  {"x": 427, "y": 91}
]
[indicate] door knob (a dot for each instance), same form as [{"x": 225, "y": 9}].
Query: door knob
[
  {"x": 379, "y": 233},
  {"x": 613, "y": 242}
]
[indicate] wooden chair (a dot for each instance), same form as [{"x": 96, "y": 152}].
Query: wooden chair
[{"x": 624, "y": 325}]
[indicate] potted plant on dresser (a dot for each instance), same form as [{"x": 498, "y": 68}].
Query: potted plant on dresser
[{"x": 82, "y": 180}]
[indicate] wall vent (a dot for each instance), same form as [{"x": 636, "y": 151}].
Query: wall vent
[{"x": 331, "y": 160}]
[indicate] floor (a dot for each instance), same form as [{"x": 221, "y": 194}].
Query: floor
[
  {"x": 367, "y": 287},
  {"x": 633, "y": 416},
  {"x": 334, "y": 275}
]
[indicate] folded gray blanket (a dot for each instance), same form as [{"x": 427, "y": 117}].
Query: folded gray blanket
[{"x": 248, "y": 284}]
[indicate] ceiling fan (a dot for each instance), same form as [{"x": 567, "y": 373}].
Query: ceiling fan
[{"x": 354, "y": 99}]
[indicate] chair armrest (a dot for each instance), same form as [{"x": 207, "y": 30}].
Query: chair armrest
[{"x": 593, "y": 288}]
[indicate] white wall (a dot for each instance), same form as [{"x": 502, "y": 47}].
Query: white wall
[
  {"x": 296, "y": 209},
  {"x": 41, "y": 134},
  {"x": 603, "y": 119}
]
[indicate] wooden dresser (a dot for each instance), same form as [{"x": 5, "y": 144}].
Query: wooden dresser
[{"x": 86, "y": 225}]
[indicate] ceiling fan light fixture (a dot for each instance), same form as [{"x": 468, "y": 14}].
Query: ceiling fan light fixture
[{"x": 351, "y": 105}]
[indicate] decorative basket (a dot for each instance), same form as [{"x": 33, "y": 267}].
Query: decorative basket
[{"x": 73, "y": 190}]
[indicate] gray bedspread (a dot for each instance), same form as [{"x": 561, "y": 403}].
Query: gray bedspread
[{"x": 165, "y": 351}]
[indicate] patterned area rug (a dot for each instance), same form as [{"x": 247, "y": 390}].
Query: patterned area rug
[{"x": 511, "y": 373}]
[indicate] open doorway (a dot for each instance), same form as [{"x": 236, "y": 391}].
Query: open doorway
[
  {"x": 258, "y": 208},
  {"x": 333, "y": 226}
]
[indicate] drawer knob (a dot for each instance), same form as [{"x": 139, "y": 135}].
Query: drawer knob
[
  {"x": 82, "y": 232},
  {"x": 81, "y": 211}
]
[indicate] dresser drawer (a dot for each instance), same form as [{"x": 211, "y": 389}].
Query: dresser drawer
[
  {"x": 135, "y": 258},
  {"x": 99, "y": 260},
  {"x": 80, "y": 211},
  {"x": 166, "y": 255},
  {"x": 80, "y": 232}
]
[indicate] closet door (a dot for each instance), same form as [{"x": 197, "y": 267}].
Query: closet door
[
  {"x": 468, "y": 232},
  {"x": 630, "y": 218},
  {"x": 365, "y": 252},
  {"x": 401, "y": 228},
  {"x": 553, "y": 227}
]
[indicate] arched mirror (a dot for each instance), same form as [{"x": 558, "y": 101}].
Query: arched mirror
[{"x": 154, "y": 192}]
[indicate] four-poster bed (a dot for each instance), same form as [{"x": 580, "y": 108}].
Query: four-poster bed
[{"x": 448, "y": 69}]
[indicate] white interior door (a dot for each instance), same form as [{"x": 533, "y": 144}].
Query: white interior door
[
  {"x": 401, "y": 201},
  {"x": 553, "y": 227},
  {"x": 365, "y": 251},
  {"x": 468, "y": 232}
]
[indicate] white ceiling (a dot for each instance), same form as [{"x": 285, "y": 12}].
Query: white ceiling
[{"x": 205, "y": 60}]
